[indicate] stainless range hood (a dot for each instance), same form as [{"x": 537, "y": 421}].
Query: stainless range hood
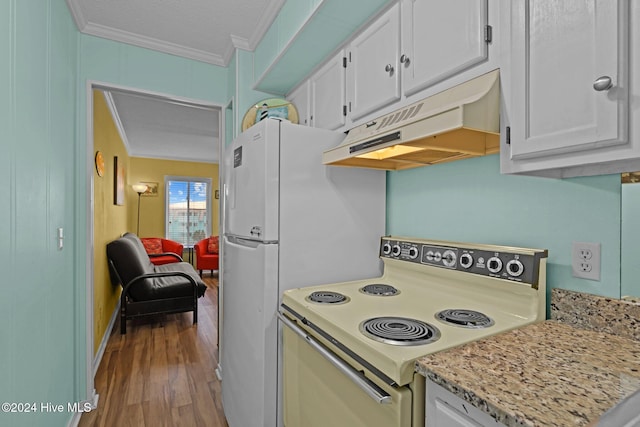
[{"x": 455, "y": 124}]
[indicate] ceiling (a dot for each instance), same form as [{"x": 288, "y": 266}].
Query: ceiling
[
  {"x": 164, "y": 128},
  {"x": 204, "y": 30}
]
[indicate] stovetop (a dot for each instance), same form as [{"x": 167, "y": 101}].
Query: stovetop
[{"x": 425, "y": 288}]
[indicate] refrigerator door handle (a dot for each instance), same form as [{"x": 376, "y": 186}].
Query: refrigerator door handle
[{"x": 245, "y": 241}]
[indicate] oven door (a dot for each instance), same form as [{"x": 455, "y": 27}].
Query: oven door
[{"x": 319, "y": 393}]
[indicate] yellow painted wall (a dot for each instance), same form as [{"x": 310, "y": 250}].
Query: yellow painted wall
[
  {"x": 152, "y": 209},
  {"x": 110, "y": 221}
]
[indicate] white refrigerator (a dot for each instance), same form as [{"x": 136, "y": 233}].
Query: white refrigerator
[{"x": 289, "y": 222}]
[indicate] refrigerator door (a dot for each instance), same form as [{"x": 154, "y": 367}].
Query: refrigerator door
[
  {"x": 251, "y": 183},
  {"x": 250, "y": 333}
]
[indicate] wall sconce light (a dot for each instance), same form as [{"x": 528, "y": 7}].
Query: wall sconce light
[{"x": 139, "y": 188}]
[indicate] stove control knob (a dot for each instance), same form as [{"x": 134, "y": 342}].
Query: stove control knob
[
  {"x": 429, "y": 256},
  {"x": 395, "y": 250},
  {"x": 449, "y": 258},
  {"x": 413, "y": 252},
  {"x": 515, "y": 268},
  {"x": 437, "y": 257},
  {"x": 494, "y": 264},
  {"x": 386, "y": 248},
  {"x": 466, "y": 260}
]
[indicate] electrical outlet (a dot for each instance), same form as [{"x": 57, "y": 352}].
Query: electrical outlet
[{"x": 585, "y": 260}]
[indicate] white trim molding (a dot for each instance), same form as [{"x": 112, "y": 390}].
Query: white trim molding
[
  {"x": 235, "y": 42},
  {"x": 108, "y": 97},
  {"x": 105, "y": 339}
]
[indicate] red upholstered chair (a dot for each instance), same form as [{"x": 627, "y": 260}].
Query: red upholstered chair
[
  {"x": 162, "y": 251},
  {"x": 207, "y": 257}
]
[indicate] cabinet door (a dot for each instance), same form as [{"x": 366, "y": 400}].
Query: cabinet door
[
  {"x": 374, "y": 80},
  {"x": 300, "y": 99},
  {"x": 441, "y": 38},
  {"x": 446, "y": 416},
  {"x": 328, "y": 94},
  {"x": 445, "y": 409},
  {"x": 558, "y": 51}
]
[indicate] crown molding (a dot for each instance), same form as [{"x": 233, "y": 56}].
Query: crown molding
[
  {"x": 108, "y": 97},
  {"x": 228, "y": 54},
  {"x": 268, "y": 17},
  {"x": 76, "y": 13},
  {"x": 210, "y": 159},
  {"x": 235, "y": 42},
  {"x": 240, "y": 42},
  {"x": 127, "y": 37},
  {"x": 152, "y": 43}
]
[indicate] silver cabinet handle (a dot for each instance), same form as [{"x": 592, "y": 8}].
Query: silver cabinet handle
[
  {"x": 368, "y": 386},
  {"x": 404, "y": 59},
  {"x": 389, "y": 68},
  {"x": 603, "y": 83}
]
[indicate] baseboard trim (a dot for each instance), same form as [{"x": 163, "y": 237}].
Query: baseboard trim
[
  {"x": 93, "y": 402},
  {"x": 105, "y": 339}
]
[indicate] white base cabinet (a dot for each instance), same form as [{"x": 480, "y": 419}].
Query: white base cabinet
[
  {"x": 571, "y": 85},
  {"x": 445, "y": 409}
]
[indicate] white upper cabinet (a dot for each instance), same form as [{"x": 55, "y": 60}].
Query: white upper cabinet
[
  {"x": 301, "y": 98},
  {"x": 372, "y": 65},
  {"x": 441, "y": 38},
  {"x": 568, "y": 81},
  {"x": 328, "y": 94}
]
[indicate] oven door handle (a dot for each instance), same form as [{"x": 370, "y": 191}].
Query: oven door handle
[{"x": 368, "y": 386}]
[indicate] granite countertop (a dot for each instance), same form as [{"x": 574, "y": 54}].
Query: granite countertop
[{"x": 544, "y": 374}]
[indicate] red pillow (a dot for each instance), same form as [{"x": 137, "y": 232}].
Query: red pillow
[
  {"x": 152, "y": 246},
  {"x": 212, "y": 247}
]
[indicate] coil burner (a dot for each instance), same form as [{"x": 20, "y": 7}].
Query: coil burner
[
  {"x": 399, "y": 331},
  {"x": 379, "y": 289},
  {"x": 465, "y": 318},
  {"x": 327, "y": 297}
]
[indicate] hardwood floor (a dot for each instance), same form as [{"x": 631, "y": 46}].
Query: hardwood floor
[{"x": 161, "y": 373}]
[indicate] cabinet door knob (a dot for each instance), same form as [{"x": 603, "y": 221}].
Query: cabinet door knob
[
  {"x": 404, "y": 59},
  {"x": 603, "y": 83},
  {"x": 389, "y": 68}
]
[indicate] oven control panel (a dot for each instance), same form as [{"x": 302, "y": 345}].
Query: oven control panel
[{"x": 485, "y": 260}]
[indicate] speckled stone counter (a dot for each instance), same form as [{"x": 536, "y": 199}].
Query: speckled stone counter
[
  {"x": 545, "y": 374},
  {"x": 596, "y": 313}
]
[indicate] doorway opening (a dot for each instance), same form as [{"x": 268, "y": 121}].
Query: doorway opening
[{"x": 155, "y": 131}]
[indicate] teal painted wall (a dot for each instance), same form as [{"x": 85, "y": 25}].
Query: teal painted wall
[
  {"x": 630, "y": 275},
  {"x": 291, "y": 17},
  {"x": 245, "y": 95},
  {"x": 231, "y": 112},
  {"x": 470, "y": 201},
  {"x": 327, "y": 24},
  {"x": 38, "y": 78}
]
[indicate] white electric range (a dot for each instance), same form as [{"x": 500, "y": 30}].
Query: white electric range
[{"x": 350, "y": 348}]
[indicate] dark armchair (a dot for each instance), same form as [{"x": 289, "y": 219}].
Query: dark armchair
[{"x": 151, "y": 289}]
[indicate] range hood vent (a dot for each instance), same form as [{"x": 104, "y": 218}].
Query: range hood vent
[{"x": 455, "y": 124}]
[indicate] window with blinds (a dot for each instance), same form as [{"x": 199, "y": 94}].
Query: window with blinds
[{"x": 188, "y": 202}]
